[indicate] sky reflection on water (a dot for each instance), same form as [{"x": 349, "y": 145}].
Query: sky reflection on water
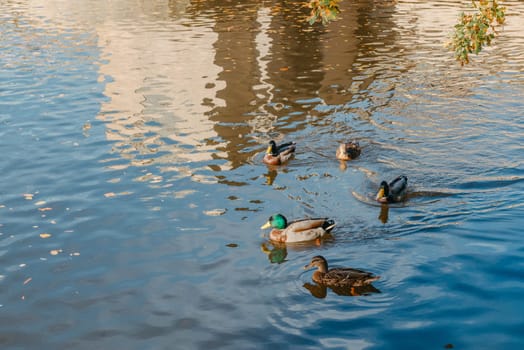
[{"x": 134, "y": 191}]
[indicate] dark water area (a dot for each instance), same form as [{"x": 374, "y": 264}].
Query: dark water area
[{"x": 132, "y": 136}]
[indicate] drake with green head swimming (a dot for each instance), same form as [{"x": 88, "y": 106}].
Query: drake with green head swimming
[
  {"x": 297, "y": 231},
  {"x": 393, "y": 192},
  {"x": 277, "y": 155}
]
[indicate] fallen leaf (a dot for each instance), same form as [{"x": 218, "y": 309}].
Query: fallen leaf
[
  {"x": 28, "y": 196},
  {"x": 45, "y": 235},
  {"x": 232, "y": 245},
  {"x": 109, "y": 194},
  {"x": 284, "y": 69},
  {"x": 215, "y": 212},
  {"x": 40, "y": 203},
  {"x": 55, "y": 251},
  {"x": 28, "y": 280},
  {"x": 45, "y": 209}
]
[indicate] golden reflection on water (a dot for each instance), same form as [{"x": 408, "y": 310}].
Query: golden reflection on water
[{"x": 212, "y": 81}]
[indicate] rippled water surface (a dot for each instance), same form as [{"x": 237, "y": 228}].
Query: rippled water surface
[{"x": 132, "y": 191}]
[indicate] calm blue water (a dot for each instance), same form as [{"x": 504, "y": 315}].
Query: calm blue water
[{"x": 133, "y": 190}]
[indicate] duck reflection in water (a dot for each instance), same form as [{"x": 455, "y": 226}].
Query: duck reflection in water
[
  {"x": 320, "y": 290},
  {"x": 343, "y": 280},
  {"x": 384, "y": 213},
  {"x": 277, "y": 254},
  {"x": 271, "y": 176}
]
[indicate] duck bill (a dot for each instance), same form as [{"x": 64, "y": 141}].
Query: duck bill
[
  {"x": 380, "y": 195},
  {"x": 308, "y": 266},
  {"x": 269, "y": 150},
  {"x": 266, "y": 225}
]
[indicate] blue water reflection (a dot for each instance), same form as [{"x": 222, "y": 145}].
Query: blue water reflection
[{"x": 133, "y": 188}]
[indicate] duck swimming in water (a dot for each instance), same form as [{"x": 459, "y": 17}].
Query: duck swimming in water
[
  {"x": 338, "y": 277},
  {"x": 348, "y": 151},
  {"x": 393, "y": 192},
  {"x": 277, "y": 155},
  {"x": 299, "y": 230}
]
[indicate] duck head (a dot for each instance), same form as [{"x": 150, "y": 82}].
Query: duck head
[
  {"x": 342, "y": 152},
  {"x": 277, "y": 221},
  {"x": 318, "y": 261},
  {"x": 383, "y": 192},
  {"x": 272, "y": 148}
]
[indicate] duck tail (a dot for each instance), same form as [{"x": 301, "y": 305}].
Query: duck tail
[
  {"x": 372, "y": 279},
  {"x": 287, "y": 146}
]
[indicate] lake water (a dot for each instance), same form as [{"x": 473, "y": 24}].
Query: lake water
[{"x": 132, "y": 191}]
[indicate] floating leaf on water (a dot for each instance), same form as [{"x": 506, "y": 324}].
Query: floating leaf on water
[
  {"x": 28, "y": 196},
  {"x": 109, "y": 194},
  {"x": 45, "y": 209},
  {"x": 55, "y": 251},
  {"x": 28, "y": 280},
  {"x": 232, "y": 245},
  {"x": 40, "y": 203},
  {"x": 183, "y": 193},
  {"x": 45, "y": 235},
  {"x": 215, "y": 212}
]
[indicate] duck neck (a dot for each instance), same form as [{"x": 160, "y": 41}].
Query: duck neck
[
  {"x": 323, "y": 267},
  {"x": 386, "y": 190}
]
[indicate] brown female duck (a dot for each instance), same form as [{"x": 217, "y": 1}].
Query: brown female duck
[
  {"x": 348, "y": 151},
  {"x": 339, "y": 277}
]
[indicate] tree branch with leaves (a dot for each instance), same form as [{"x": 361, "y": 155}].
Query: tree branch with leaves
[
  {"x": 471, "y": 34},
  {"x": 474, "y": 31}
]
